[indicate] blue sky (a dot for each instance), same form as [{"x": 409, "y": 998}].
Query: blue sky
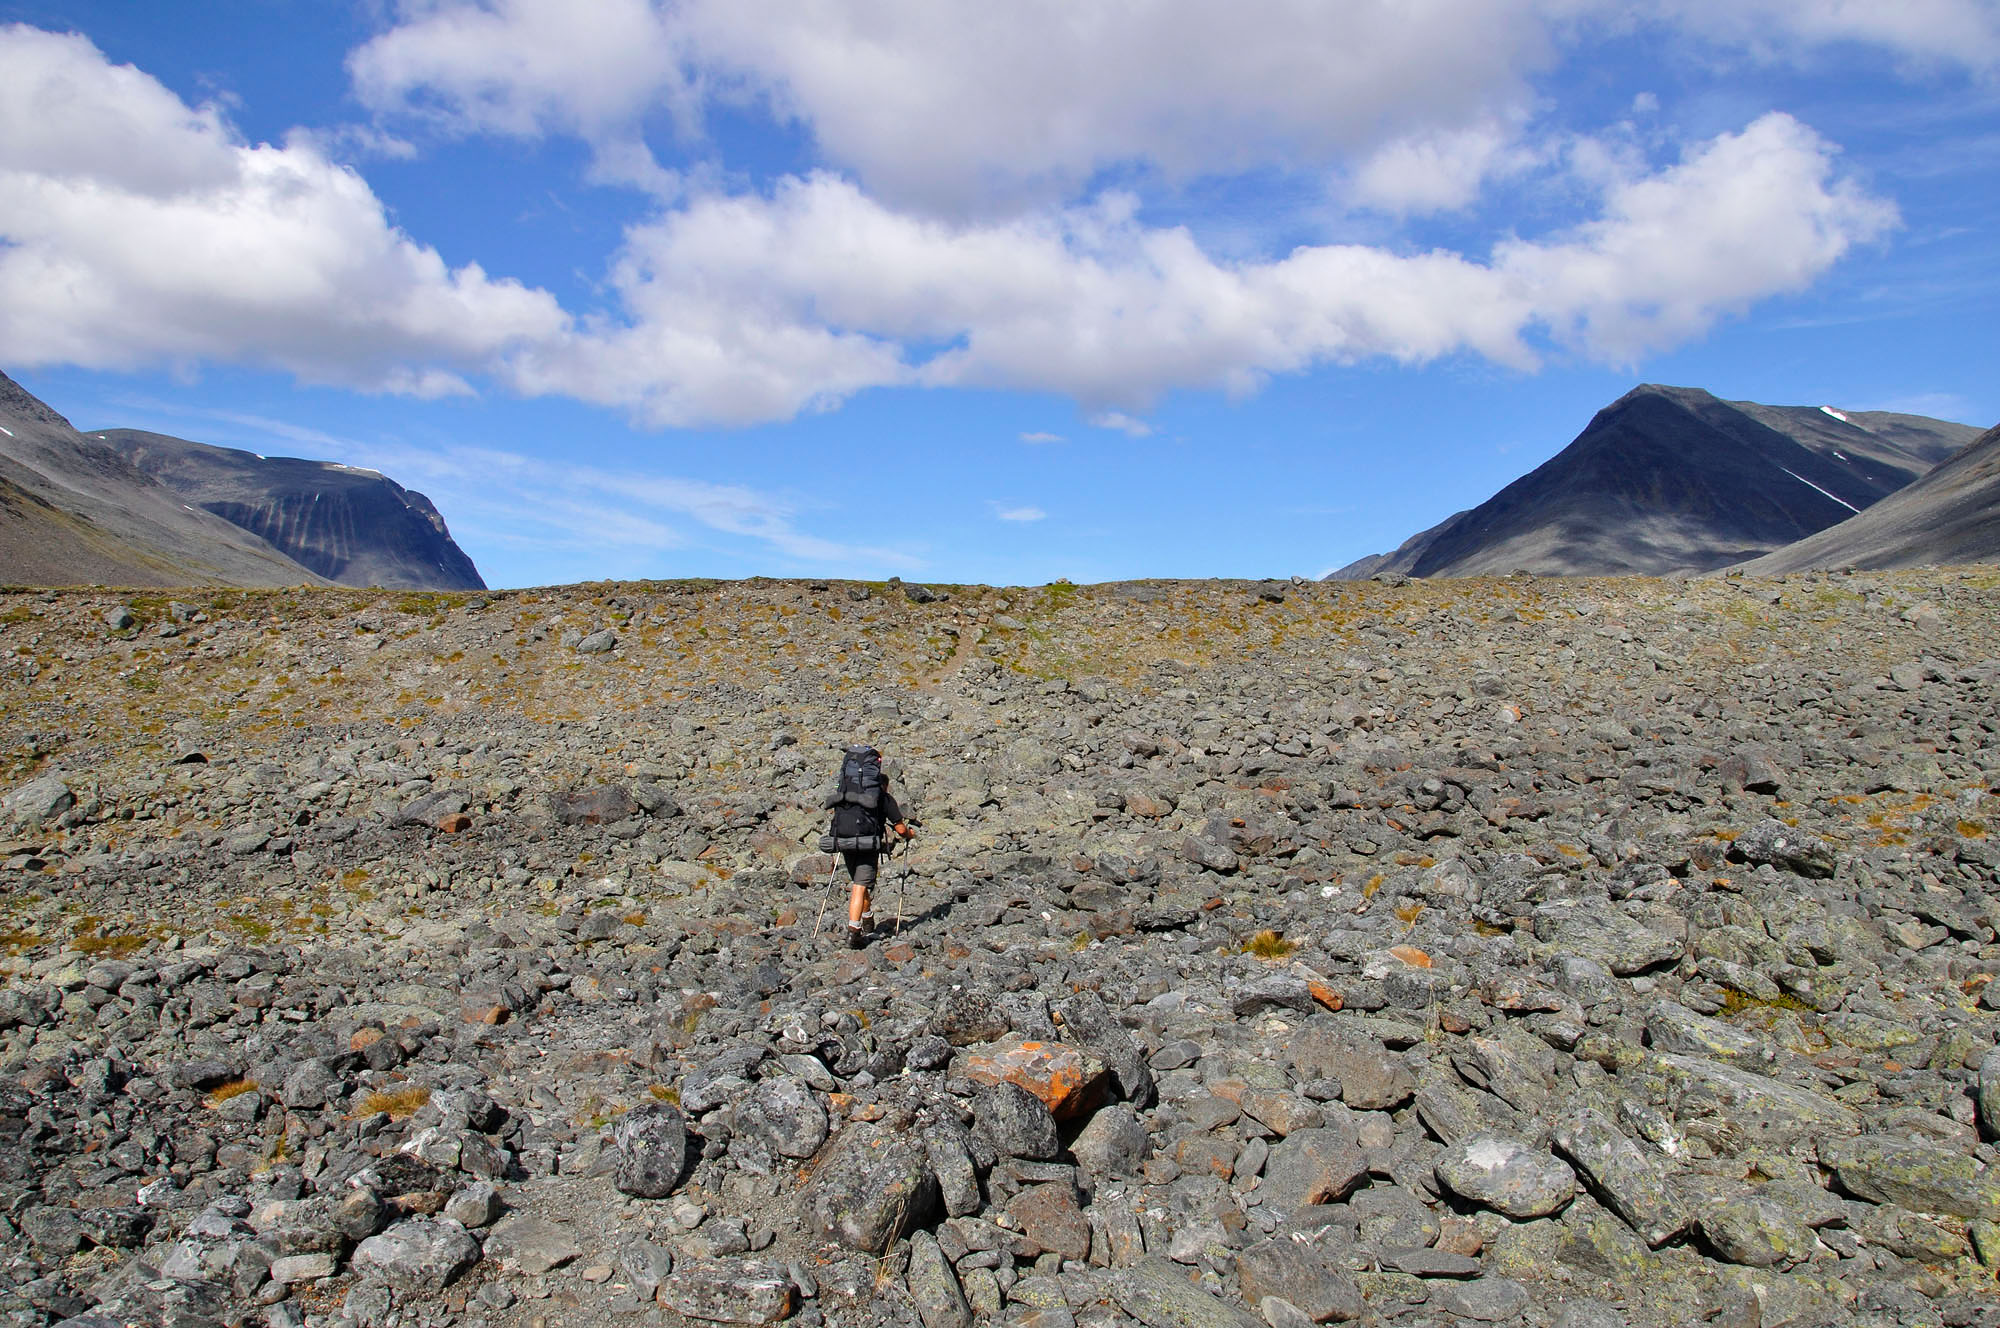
[{"x": 974, "y": 292}]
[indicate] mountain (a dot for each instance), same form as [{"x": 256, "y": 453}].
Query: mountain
[
  {"x": 354, "y": 527},
  {"x": 74, "y": 512},
  {"x": 1951, "y": 515},
  {"x": 1673, "y": 479}
]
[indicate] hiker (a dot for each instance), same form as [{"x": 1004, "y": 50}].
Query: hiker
[{"x": 864, "y": 814}]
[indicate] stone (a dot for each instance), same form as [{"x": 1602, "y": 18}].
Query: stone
[
  {"x": 1016, "y": 1121},
  {"x": 1049, "y": 1217},
  {"x": 1784, "y": 846},
  {"x": 933, "y": 1287},
  {"x": 292, "y": 1268},
  {"x": 729, "y": 1291},
  {"x": 1486, "y": 1300},
  {"x": 473, "y": 1205},
  {"x": 598, "y": 643},
  {"x": 783, "y": 1113},
  {"x": 1305, "y": 1274},
  {"x": 1088, "y": 1022},
  {"x": 1914, "y": 1174},
  {"x": 1312, "y": 1167},
  {"x": 417, "y": 1254},
  {"x": 1506, "y": 1175},
  {"x": 1069, "y": 1081},
  {"x": 530, "y": 1245},
  {"x": 873, "y": 1186},
  {"x": 1113, "y": 1143},
  {"x": 1373, "y": 1080},
  {"x": 1599, "y": 929},
  {"x": 1756, "y": 1231},
  {"x": 39, "y": 800},
  {"x": 1988, "y": 1093},
  {"x": 650, "y": 1151},
  {"x": 1619, "y": 1173},
  {"x": 1161, "y": 1295}
]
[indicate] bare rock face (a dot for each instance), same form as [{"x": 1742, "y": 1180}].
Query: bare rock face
[{"x": 1576, "y": 944}]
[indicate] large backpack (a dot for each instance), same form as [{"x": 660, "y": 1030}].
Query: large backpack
[{"x": 857, "y": 810}]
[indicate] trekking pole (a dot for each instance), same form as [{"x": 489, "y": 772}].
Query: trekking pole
[
  {"x": 831, "y": 878},
  {"x": 902, "y": 882}
]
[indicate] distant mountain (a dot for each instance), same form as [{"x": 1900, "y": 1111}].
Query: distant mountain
[
  {"x": 354, "y": 527},
  {"x": 1951, "y": 515},
  {"x": 76, "y": 512},
  {"x": 1672, "y": 479}
]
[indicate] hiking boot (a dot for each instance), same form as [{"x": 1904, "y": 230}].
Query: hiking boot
[{"x": 857, "y": 936}]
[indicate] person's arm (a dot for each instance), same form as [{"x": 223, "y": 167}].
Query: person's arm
[{"x": 892, "y": 815}]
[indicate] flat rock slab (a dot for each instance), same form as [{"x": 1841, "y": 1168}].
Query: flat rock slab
[
  {"x": 1599, "y": 929},
  {"x": 1161, "y": 1295},
  {"x": 1069, "y": 1081},
  {"x": 1918, "y": 1176},
  {"x": 1311, "y": 1167},
  {"x": 729, "y": 1291},
  {"x": 1767, "y": 1109},
  {"x": 1302, "y": 1273},
  {"x": 530, "y": 1245},
  {"x": 1620, "y": 1174},
  {"x": 417, "y": 1254},
  {"x": 1506, "y": 1175}
]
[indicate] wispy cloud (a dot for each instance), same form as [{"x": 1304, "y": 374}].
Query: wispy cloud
[
  {"x": 1039, "y": 437},
  {"x": 1019, "y": 513},
  {"x": 1123, "y": 423}
]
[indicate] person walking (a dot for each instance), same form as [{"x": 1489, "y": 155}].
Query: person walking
[{"x": 865, "y": 816}]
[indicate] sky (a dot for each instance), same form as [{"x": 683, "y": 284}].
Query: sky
[{"x": 966, "y": 292}]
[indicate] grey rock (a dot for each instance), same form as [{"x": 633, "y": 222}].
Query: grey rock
[
  {"x": 36, "y": 801},
  {"x": 1089, "y": 1023},
  {"x": 531, "y": 1245},
  {"x": 1989, "y": 1092},
  {"x": 473, "y": 1205},
  {"x": 650, "y": 1147},
  {"x": 1506, "y": 1175},
  {"x": 1599, "y": 929},
  {"x": 1016, "y": 1121},
  {"x": 934, "y": 1288},
  {"x": 1161, "y": 1295},
  {"x": 1113, "y": 1143},
  {"x": 783, "y": 1112},
  {"x": 1756, "y": 1231},
  {"x": 1307, "y": 1275},
  {"x": 417, "y": 1254},
  {"x": 1785, "y": 846},
  {"x": 598, "y": 643},
  {"x": 872, "y": 1186},
  {"x": 1914, "y": 1174},
  {"x": 730, "y": 1291},
  {"x": 1619, "y": 1173},
  {"x": 1487, "y": 1300},
  {"x": 1311, "y": 1167}
]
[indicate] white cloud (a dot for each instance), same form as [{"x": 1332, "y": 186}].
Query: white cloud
[
  {"x": 747, "y": 308},
  {"x": 1119, "y": 421},
  {"x": 139, "y": 230},
  {"x": 964, "y": 107},
  {"x": 1019, "y": 513},
  {"x": 1041, "y": 437}
]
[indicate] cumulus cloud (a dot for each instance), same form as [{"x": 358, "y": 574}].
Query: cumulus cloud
[
  {"x": 755, "y": 306},
  {"x": 139, "y": 230},
  {"x": 1019, "y": 513},
  {"x": 1120, "y": 422},
  {"x": 962, "y": 107}
]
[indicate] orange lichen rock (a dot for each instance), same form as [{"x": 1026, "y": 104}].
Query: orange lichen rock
[
  {"x": 1411, "y": 955},
  {"x": 1070, "y": 1082}
]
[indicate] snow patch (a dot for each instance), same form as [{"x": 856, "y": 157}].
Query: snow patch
[
  {"x": 1836, "y": 414},
  {"x": 1816, "y": 489}
]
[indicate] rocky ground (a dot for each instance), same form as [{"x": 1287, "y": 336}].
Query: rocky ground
[{"x": 1507, "y": 951}]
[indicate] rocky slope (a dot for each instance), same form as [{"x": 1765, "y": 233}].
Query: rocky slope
[
  {"x": 75, "y": 512},
  {"x": 1951, "y": 515},
  {"x": 354, "y": 527},
  {"x": 1590, "y": 952},
  {"x": 1672, "y": 479}
]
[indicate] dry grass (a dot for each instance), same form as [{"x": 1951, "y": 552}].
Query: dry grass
[
  {"x": 1269, "y": 945},
  {"x": 396, "y": 1103},
  {"x": 234, "y": 1088}
]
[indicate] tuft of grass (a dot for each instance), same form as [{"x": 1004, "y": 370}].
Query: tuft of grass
[
  {"x": 665, "y": 1093},
  {"x": 396, "y": 1103},
  {"x": 115, "y": 947},
  {"x": 234, "y": 1088},
  {"x": 1268, "y": 944},
  {"x": 1409, "y": 911}
]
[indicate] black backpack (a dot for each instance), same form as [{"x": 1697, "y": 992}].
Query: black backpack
[{"x": 857, "y": 810}]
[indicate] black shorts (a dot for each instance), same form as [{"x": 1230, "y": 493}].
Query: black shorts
[{"x": 861, "y": 865}]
